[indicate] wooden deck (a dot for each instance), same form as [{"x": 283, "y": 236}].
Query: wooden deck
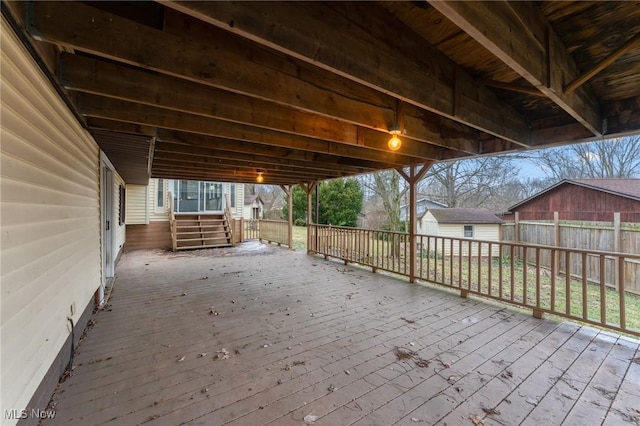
[{"x": 306, "y": 336}]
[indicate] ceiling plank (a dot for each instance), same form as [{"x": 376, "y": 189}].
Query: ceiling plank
[
  {"x": 518, "y": 34},
  {"x": 350, "y": 50}
]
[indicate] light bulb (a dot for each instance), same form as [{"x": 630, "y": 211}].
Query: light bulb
[
  {"x": 260, "y": 178},
  {"x": 395, "y": 143}
]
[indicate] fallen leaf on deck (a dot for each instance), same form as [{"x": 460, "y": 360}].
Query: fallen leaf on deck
[
  {"x": 477, "y": 420},
  {"x": 181, "y": 359},
  {"x": 331, "y": 388},
  {"x": 636, "y": 360},
  {"x": 203, "y": 354},
  {"x": 222, "y": 354},
  {"x": 413, "y": 419},
  {"x": 310, "y": 419},
  {"x": 491, "y": 411}
]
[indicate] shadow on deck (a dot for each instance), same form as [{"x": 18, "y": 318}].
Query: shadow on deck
[{"x": 257, "y": 334}]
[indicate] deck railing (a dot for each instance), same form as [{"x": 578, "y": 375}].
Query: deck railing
[
  {"x": 273, "y": 231},
  {"x": 504, "y": 271},
  {"x": 228, "y": 218}
]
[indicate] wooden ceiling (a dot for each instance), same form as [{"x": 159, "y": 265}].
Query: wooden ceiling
[{"x": 308, "y": 91}]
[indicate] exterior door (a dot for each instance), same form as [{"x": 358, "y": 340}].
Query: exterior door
[{"x": 108, "y": 261}]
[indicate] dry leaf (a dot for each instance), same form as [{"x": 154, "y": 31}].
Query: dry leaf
[
  {"x": 477, "y": 420},
  {"x": 181, "y": 359},
  {"x": 491, "y": 411},
  {"x": 310, "y": 419}
]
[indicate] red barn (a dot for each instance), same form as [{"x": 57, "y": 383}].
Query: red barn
[{"x": 593, "y": 200}]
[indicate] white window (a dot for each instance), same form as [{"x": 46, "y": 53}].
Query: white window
[
  {"x": 468, "y": 231},
  {"x": 160, "y": 195}
]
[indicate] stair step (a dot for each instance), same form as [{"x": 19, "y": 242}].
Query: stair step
[
  {"x": 203, "y": 247},
  {"x": 180, "y": 240},
  {"x": 202, "y": 232},
  {"x": 200, "y": 226}
]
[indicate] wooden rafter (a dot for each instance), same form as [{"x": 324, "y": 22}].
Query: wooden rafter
[{"x": 518, "y": 34}]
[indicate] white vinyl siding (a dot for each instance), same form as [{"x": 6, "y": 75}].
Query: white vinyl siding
[
  {"x": 50, "y": 243},
  {"x": 136, "y": 205},
  {"x": 237, "y": 210},
  {"x": 484, "y": 232},
  {"x": 157, "y": 213}
]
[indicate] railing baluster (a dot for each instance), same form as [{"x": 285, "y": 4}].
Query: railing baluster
[
  {"x": 603, "y": 296},
  {"x": 621, "y": 293},
  {"x": 513, "y": 287},
  {"x": 490, "y": 266},
  {"x": 585, "y": 313},
  {"x": 553, "y": 279},
  {"x": 567, "y": 269},
  {"x": 524, "y": 275}
]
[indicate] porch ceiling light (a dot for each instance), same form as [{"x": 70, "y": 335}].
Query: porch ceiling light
[
  {"x": 260, "y": 178},
  {"x": 395, "y": 142}
]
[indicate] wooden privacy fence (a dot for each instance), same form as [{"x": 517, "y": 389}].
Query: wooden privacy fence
[
  {"x": 495, "y": 270},
  {"x": 603, "y": 236},
  {"x": 273, "y": 231}
]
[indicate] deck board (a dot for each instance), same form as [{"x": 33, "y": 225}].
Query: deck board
[{"x": 311, "y": 336}]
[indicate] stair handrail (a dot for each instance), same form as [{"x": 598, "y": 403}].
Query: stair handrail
[
  {"x": 227, "y": 216},
  {"x": 172, "y": 222}
]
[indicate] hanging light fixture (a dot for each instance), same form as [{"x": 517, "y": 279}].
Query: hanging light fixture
[
  {"x": 395, "y": 142},
  {"x": 260, "y": 178}
]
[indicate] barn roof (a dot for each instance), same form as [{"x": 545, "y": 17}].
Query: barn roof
[
  {"x": 464, "y": 216},
  {"x": 627, "y": 188}
]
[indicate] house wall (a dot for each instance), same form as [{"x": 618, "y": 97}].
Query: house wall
[
  {"x": 155, "y": 213},
  {"x": 137, "y": 205},
  {"x": 574, "y": 202},
  {"x": 50, "y": 241}
]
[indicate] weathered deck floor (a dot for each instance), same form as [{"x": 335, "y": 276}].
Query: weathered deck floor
[{"x": 309, "y": 336}]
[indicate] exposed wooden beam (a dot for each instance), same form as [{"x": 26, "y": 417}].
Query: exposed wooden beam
[
  {"x": 213, "y": 143},
  {"x": 514, "y": 88},
  {"x": 209, "y": 165},
  {"x": 167, "y": 150},
  {"x": 586, "y": 76},
  {"x": 94, "y": 76},
  {"x": 113, "y": 109},
  {"x": 518, "y": 34},
  {"x": 347, "y": 48}
]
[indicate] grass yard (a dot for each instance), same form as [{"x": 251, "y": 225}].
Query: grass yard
[{"x": 299, "y": 237}]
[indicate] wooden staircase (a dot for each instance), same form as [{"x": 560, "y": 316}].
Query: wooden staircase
[{"x": 198, "y": 231}]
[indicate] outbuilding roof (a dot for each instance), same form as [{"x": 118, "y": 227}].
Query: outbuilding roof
[{"x": 465, "y": 215}]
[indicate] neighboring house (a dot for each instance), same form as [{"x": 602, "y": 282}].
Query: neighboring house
[
  {"x": 590, "y": 200},
  {"x": 253, "y": 207},
  {"x": 422, "y": 205},
  {"x": 147, "y": 216},
  {"x": 478, "y": 224}
]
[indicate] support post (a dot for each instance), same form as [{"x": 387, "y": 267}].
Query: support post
[
  {"x": 516, "y": 231},
  {"x": 416, "y": 173},
  {"x": 308, "y": 189},
  {"x": 288, "y": 190}
]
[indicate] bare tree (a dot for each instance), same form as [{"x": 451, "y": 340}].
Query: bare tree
[
  {"x": 473, "y": 183},
  {"x": 389, "y": 187},
  {"x": 615, "y": 158}
]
